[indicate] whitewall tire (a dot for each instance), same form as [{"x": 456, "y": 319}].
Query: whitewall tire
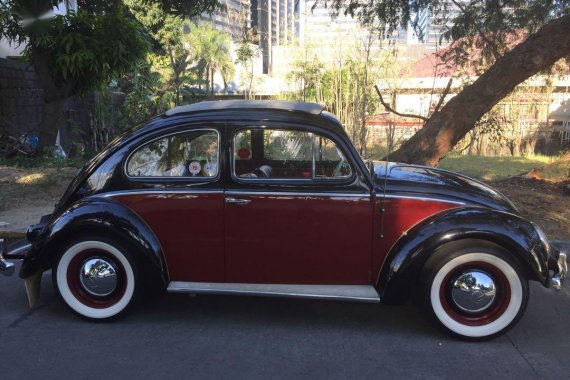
[
  {"x": 474, "y": 292},
  {"x": 96, "y": 278}
]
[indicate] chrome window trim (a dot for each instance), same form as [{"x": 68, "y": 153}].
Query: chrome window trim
[
  {"x": 312, "y": 180},
  {"x": 174, "y": 178},
  {"x": 362, "y": 293}
]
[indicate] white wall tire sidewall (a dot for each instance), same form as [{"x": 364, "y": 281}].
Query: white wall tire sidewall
[
  {"x": 73, "y": 302},
  {"x": 493, "y": 327}
]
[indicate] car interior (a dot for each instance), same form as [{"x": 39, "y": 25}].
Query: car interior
[{"x": 281, "y": 154}]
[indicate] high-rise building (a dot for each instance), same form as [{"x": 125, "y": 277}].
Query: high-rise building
[
  {"x": 435, "y": 22},
  {"x": 329, "y": 31},
  {"x": 231, "y": 19},
  {"x": 276, "y": 25}
]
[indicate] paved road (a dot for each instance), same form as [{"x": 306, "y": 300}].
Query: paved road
[{"x": 177, "y": 336}]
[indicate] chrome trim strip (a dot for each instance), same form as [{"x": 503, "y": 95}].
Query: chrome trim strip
[
  {"x": 428, "y": 199},
  {"x": 6, "y": 268},
  {"x": 299, "y": 194},
  {"x": 267, "y": 193},
  {"x": 112, "y": 194},
  {"x": 18, "y": 253},
  {"x": 363, "y": 293}
]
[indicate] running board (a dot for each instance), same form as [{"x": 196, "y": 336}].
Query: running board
[{"x": 362, "y": 293}]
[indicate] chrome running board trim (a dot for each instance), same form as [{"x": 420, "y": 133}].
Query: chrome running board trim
[{"x": 362, "y": 293}]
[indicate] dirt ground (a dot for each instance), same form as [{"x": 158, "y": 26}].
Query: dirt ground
[
  {"x": 544, "y": 202},
  {"x": 27, "y": 194}
]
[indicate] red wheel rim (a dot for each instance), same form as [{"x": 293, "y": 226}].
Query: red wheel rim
[
  {"x": 493, "y": 311},
  {"x": 74, "y": 283}
]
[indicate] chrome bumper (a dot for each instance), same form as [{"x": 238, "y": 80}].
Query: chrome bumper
[
  {"x": 15, "y": 251},
  {"x": 6, "y": 268},
  {"x": 558, "y": 279}
]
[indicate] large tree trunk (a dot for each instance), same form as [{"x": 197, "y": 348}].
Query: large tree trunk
[{"x": 446, "y": 127}]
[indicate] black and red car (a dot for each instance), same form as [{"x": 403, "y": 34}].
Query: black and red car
[{"x": 271, "y": 198}]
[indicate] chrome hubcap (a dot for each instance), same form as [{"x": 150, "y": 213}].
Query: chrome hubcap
[
  {"x": 98, "y": 277},
  {"x": 473, "y": 291}
]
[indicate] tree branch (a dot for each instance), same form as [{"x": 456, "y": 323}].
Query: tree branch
[
  {"x": 390, "y": 109},
  {"x": 443, "y": 95},
  {"x": 493, "y": 45}
]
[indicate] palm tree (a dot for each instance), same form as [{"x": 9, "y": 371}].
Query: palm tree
[{"x": 212, "y": 49}]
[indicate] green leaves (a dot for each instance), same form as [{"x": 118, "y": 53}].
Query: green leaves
[
  {"x": 186, "y": 8},
  {"x": 483, "y": 30},
  {"x": 86, "y": 50}
]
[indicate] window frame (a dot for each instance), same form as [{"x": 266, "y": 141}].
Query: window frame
[
  {"x": 175, "y": 178},
  {"x": 307, "y": 181}
]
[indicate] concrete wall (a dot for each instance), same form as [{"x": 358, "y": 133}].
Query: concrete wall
[{"x": 21, "y": 98}]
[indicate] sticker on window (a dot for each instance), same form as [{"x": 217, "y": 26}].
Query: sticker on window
[{"x": 194, "y": 167}]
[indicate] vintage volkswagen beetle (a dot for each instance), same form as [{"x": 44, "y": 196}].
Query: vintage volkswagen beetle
[{"x": 270, "y": 198}]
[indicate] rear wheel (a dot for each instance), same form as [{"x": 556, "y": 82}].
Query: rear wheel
[
  {"x": 474, "y": 290},
  {"x": 97, "y": 278}
]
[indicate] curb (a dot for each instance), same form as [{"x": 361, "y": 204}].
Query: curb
[{"x": 12, "y": 234}]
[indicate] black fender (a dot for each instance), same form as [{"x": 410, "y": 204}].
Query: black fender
[
  {"x": 100, "y": 215},
  {"x": 406, "y": 259}
]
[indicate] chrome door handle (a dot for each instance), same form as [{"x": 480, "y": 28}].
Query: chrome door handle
[{"x": 238, "y": 201}]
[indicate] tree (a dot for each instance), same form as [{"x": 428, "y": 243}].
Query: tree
[
  {"x": 212, "y": 49},
  {"x": 246, "y": 52},
  {"x": 73, "y": 53},
  {"x": 79, "y": 51},
  {"x": 165, "y": 30},
  {"x": 492, "y": 27}
]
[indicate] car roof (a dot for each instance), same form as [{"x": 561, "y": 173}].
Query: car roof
[{"x": 281, "y": 105}]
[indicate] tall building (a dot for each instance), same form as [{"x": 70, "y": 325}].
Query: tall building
[
  {"x": 435, "y": 22},
  {"x": 321, "y": 27},
  {"x": 231, "y": 19},
  {"x": 276, "y": 25}
]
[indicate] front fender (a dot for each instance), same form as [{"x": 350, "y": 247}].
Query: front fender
[
  {"x": 94, "y": 215},
  {"x": 406, "y": 259}
]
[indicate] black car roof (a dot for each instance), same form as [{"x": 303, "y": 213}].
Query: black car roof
[
  {"x": 281, "y": 105},
  {"x": 246, "y": 110}
]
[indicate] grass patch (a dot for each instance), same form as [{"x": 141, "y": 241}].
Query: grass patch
[
  {"x": 493, "y": 168},
  {"x": 42, "y": 162}
]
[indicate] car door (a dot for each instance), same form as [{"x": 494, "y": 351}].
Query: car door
[
  {"x": 175, "y": 181},
  {"x": 293, "y": 214}
]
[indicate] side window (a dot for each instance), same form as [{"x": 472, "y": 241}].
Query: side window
[
  {"x": 287, "y": 145},
  {"x": 287, "y": 154},
  {"x": 329, "y": 160},
  {"x": 242, "y": 146},
  {"x": 188, "y": 154}
]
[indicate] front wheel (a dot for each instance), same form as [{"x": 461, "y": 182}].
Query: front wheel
[
  {"x": 96, "y": 278},
  {"x": 474, "y": 291}
]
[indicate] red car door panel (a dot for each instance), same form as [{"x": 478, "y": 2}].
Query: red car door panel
[{"x": 290, "y": 238}]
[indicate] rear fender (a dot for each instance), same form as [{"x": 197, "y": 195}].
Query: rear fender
[
  {"x": 406, "y": 259},
  {"x": 95, "y": 215}
]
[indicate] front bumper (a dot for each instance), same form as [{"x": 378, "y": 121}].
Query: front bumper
[
  {"x": 559, "y": 265},
  {"x": 14, "y": 251},
  {"x": 6, "y": 268}
]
